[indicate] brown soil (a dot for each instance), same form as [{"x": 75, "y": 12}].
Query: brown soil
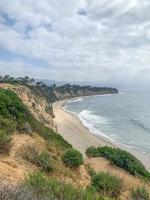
[{"x": 12, "y": 166}]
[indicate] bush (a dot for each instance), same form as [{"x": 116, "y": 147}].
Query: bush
[
  {"x": 72, "y": 158},
  {"x": 4, "y": 140},
  {"x": 121, "y": 158},
  {"x": 29, "y": 153},
  {"x": 55, "y": 189},
  {"x": 44, "y": 161},
  {"x": 107, "y": 184},
  {"x": 38, "y": 187},
  {"x": 8, "y": 125},
  {"x": 15, "y": 116},
  {"x": 140, "y": 194},
  {"x": 11, "y": 106},
  {"x": 13, "y": 113}
]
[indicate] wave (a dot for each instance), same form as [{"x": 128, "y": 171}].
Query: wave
[
  {"x": 89, "y": 120},
  {"x": 65, "y": 108},
  {"x": 75, "y": 100}
]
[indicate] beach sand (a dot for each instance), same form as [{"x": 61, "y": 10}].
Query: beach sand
[{"x": 73, "y": 131}]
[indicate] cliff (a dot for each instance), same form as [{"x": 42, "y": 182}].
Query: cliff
[
  {"x": 54, "y": 93},
  {"x": 29, "y": 144}
]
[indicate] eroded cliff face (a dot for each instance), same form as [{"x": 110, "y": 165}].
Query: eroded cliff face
[{"x": 72, "y": 94}]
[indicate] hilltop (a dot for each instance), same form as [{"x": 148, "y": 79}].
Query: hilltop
[{"x": 37, "y": 163}]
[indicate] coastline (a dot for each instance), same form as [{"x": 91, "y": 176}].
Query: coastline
[{"x": 72, "y": 129}]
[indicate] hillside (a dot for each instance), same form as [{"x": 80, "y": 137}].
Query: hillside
[
  {"x": 33, "y": 159},
  {"x": 52, "y": 92}
]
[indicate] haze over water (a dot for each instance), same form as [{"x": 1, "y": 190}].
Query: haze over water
[{"x": 122, "y": 118}]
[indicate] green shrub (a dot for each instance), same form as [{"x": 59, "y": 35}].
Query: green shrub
[
  {"x": 72, "y": 158},
  {"x": 11, "y": 106},
  {"x": 121, "y": 158},
  {"x": 8, "y": 125},
  {"x": 4, "y": 140},
  {"x": 107, "y": 184},
  {"x": 12, "y": 111},
  {"x": 44, "y": 161},
  {"x": 55, "y": 189},
  {"x": 48, "y": 134},
  {"x": 90, "y": 170},
  {"x": 14, "y": 116},
  {"x": 140, "y": 194},
  {"x": 38, "y": 187}
]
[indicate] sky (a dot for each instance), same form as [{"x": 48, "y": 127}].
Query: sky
[{"x": 105, "y": 41}]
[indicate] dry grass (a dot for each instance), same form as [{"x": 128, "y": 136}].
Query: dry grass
[
  {"x": 130, "y": 181},
  {"x": 13, "y": 192}
]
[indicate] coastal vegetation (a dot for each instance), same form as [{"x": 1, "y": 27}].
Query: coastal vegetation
[
  {"x": 37, "y": 186},
  {"x": 140, "y": 194},
  {"x": 56, "y": 170},
  {"x": 52, "y": 188},
  {"x": 121, "y": 158},
  {"x": 54, "y": 93},
  {"x": 44, "y": 161},
  {"x": 107, "y": 184},
  {"x": 41, "y": 159},
  {"x": 12, "y": 111},
  {"x": 14, "y": 116},
  {"x": 72, "y": 158},
  {"x": 4, "y": 141}
]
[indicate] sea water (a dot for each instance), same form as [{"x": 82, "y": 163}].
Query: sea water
[{"x": 123, "y": 118}]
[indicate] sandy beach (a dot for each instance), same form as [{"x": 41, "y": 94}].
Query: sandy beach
[{"x": 72, "y": 130}]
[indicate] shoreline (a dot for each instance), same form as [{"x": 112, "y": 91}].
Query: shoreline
[{"x": 72, "y": 129}]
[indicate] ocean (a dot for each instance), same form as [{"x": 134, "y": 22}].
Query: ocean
[{"x": 123, "y": 119}]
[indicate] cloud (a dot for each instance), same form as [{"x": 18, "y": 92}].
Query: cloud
[{"x": 105, "y": 41}]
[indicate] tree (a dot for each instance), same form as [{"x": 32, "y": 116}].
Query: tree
[
  {"x": 32, "y": 80},
  {"x": 1, "y": 78},
  {"x": 39, "y": 83},
  {"x": 6, "y": 78}
]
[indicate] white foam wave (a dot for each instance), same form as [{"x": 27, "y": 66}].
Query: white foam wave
[
  {"x": 89, "y": 120},
  {"x": 65, "y": 108},
  {"x": 75, "y": 100}
]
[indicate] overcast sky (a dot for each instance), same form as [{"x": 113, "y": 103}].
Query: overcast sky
[{"x": 107, "y": 41}]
